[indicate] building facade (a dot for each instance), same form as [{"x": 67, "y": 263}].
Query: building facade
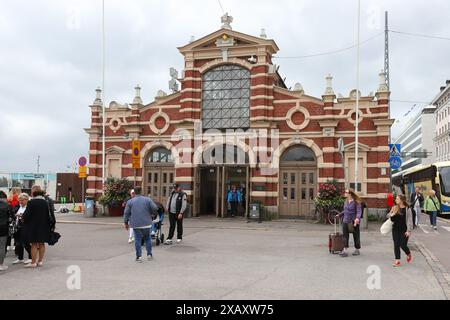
[
  {"x": 442, "y": 118},
  {"x": 234, "y": 122},
  {"x": 417, "y": 136}
]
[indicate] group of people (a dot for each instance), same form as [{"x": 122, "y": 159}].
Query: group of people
[
  {"x": 138, "y": 213},
  {"x": 403, "y": 215},
  {"x": 29, "y": 222}
]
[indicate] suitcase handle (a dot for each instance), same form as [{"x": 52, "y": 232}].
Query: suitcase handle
[{"x": 339, "y": 220}]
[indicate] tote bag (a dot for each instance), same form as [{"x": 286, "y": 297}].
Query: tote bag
[{"x": 386, "y": 227}]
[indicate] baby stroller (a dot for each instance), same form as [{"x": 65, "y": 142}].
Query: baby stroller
[{"x": 158, "y": 219}]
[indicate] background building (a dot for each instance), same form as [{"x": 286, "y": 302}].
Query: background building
[
  {"x": 25, "y": 180},
  {"x": 417, "y": 136},
  {"x": 442, "y": 115},
  {"x": 230, "y": 82}
]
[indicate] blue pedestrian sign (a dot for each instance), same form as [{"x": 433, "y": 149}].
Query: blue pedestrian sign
[
  {"x": 395, "y": 150},
  {"x": 395, "y": 163}
]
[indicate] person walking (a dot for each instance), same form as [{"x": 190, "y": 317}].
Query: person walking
[
  {"x": 401, "y": 228},
  {"x": 176, "y": 205},
  {"x": 138, "y": 215},
  {"x": 432, "y": 207},
  {"x": 416, "y": 206},
  {"x": 234, "y": 199},
  {"x": 21, "y": 245},
  {"x": 5, "y": 217},
  {"x": 351, "y": 222},
  {"x": 38, "y": 222}
]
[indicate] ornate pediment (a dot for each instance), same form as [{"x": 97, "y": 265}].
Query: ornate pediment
[{"x": 115, "y": 150}]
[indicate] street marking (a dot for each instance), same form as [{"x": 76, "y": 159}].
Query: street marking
[{"x": 421, "y": 227}]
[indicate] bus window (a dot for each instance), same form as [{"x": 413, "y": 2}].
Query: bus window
[{"x": 445, "y": 181}]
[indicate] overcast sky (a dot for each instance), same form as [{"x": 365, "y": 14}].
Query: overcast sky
[{"x": 50, "y": 58}]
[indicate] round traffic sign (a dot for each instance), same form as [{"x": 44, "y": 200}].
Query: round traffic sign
[
  {"x": 82, "y": 161},
  {"x": 136, "y": 151},
  {"x": 395, "y": 162}
]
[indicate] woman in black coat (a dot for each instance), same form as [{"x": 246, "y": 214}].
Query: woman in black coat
[
  {"x": 38, "y": 222},
  {"x": 5, "y": 218}
]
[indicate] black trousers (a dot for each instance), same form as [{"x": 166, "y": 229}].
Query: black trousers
[
  {"x": 400, "y": 241},
  {"x": 414, "y": 217},
  {"x": 174, "y": 222},
  {"x": 356, "y": 236},
  {"x": 234, "y": 206},
  {"x": 21, "y": 246}
]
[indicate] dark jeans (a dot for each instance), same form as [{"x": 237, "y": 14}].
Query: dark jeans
[
  {"x": 175, "y": 222},
  {"x": 139, "y": 236},
  {"x": 356, "y": 236},
  {"x": 21, "y": 246},
  {"x": 414, "y": 214},
  {"x": 433, "y": 217},
  {"x": 400, "y": 241},
  {"x": 234, "y": 206}
]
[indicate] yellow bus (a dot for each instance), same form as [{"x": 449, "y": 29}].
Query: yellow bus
[{"x": 435, "y": 176}]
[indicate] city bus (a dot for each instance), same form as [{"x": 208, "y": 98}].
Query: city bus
[{"x": 435, "y": 176}]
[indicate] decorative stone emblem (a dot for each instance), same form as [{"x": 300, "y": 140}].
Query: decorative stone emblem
[
  {"x": 350, "y": 116},
  {"x": 159, "y": 122},
  {"x": 297, "y": 118},
  {"x": 114, "y": 124}
]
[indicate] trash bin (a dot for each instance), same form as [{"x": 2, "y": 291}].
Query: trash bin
[
  {"x": 254, "y": 213},
  {"x": 89, "y": 207}
]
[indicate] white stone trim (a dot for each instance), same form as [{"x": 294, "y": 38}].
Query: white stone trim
[
  {"x": 292, "y": 111},
  {"x": 153, "y": 119},
  {"x": 184, "y": 179},
  {"x": 191, "y": 100},
  {"x": 264, "y": 180},
  {"x": 261, "y": 86},
  {"x": 257, "y": 75},
  {"x": 218, "y": 62},
  {"x": 271, "y": 194},
  {"x": 261, "y": 107},
  {"x": 261, "y": 97},
  {"x": 190, "y": 110},
  {"x": 192, "y": 79}
]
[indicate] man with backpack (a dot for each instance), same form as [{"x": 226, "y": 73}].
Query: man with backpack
[{"x": 176, "y": 206}]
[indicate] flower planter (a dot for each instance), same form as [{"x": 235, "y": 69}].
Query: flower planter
[{"x": 116, "y": 211}]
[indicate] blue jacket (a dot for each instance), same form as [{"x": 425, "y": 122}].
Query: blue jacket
[
  {"x": 138, "y": 211},
  {"x": 230, "y": 196}
]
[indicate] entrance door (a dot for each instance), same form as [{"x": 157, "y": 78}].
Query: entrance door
[
  {"x": 158, "y": 182},
  {"x": 238, "y": 177},
  {"x": 208, "y": 190},
  {"x": 297, "y": 192}
]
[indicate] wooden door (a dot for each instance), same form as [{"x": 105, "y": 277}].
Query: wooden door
[{"x": 297, "y": 192}]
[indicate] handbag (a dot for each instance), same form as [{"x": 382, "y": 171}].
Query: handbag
[
  {"x": 386, "y": 227},
  {"x": 13, "y": 228},
  {"x": 54, "y": 236}
]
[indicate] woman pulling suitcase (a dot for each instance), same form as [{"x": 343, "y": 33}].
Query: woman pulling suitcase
[{"x": 352, "y": 217}]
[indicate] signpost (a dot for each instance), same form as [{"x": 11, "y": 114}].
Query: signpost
[
  {"x": 135, "y": 156},
  {"x": 82, "y": 174}
]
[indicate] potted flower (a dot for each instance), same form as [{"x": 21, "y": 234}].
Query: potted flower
[
  {"x": 329, "y": 198},
  {"x": 116, "y": 193}
]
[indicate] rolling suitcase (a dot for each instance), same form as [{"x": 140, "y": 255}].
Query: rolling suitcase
[{"x": 336, "y": 240}]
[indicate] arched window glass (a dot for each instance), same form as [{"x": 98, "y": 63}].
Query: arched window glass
[
  {"x": 225, "y": 154},
  {"x": 297, "y": 154},
  {"x": 226, "y": 98},
  {"x": 160, "y": 155}
]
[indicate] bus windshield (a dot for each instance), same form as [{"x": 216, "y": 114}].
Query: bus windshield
[{"x": 445, "y": 181}]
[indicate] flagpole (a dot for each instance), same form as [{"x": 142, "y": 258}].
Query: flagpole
[
  {"x": 103, "y": 100},
  {"x": 357, "y": 98}
]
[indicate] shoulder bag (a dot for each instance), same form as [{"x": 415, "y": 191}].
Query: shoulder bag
[{"x": 54, "y": 236}]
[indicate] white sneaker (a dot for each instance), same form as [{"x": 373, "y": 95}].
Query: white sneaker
[
  {"x": 8, "y": 248},
  {"x": 168, "y": 241},
  {"x": 153, "y": 233},
  {"x": 3, "y": 268},
  {"x": 27, "y": 261},
  {"x": 179, "y": 240},
  {"x": 17, "y": 261},
  {"x": 130, "y": 240},
  {"x": 31, "y": 265},
  {"x": 139, "y": 260}
]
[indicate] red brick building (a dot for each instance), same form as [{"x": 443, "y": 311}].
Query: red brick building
[{"x": 230, "y": 82}]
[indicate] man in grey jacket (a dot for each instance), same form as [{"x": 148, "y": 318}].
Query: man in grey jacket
[{"x": 138, "y": 215}]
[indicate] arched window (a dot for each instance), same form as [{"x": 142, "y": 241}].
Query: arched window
[
  {"x": 225, "y": 154},
  {"x": 161, "y": 155},
  {"x": 226, "y": 98},
  {"x": 298, "y": 154}
]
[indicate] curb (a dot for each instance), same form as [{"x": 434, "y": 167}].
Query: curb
[
  {"x": 441, "y": 274},
  {"x": 90, "y": 222}
]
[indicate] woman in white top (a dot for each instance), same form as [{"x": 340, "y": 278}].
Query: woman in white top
[{"x": 20, "y": 244}]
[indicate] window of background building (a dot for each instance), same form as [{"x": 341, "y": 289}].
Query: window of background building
[
  {"x": 351, "y": 174},
  {"x": 226, "y": 98}
]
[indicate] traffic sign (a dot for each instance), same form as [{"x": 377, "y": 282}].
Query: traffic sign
[
  {"x": 136, "y": 154},
  {"x": 82, "y": 161},
  {"x": 395, "y": 150},
  {"x": 395, "y": 163}
]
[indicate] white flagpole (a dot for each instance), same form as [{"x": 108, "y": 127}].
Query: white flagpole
[
  {"x": 357, "y": 98},
  {"x": 103, "y": 98}
]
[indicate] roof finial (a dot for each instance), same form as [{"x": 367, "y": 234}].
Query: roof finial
[
  {"x": 329, "y": 88},
  {"x": 98, "y": 97},
  {"x": 382, "y": 86},
  {"x": 226, "y": 20},
  {"x": 137, "y": 97},
  {"x": 263, "y": 34}
]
